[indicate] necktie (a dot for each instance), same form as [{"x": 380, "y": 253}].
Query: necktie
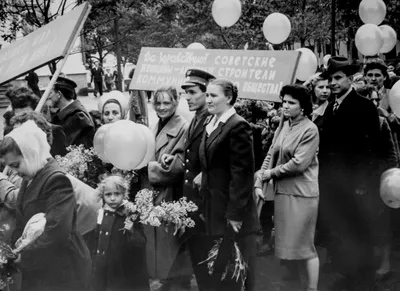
[{"x": 335, "y": 107}]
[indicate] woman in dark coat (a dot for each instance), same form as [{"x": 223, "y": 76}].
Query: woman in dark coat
[
  {"x": 227, "y": 163},
  {"x": 59, "y": 258}
]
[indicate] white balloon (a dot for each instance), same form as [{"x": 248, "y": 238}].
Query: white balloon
[
  {"x": 325, "y": 60},
  {"x": 389, "y": 38},
  {"x": 226, "y": 12},
  {"x": 372, "y": 11},
  {"x": 394, "y": 98},
  {"x": 369, "y": 39},
  {"x": 151, "y": 146},
  {"x": 196, "y": 46},
  {"x": 276, "y": 28},
  {"x": 308, "y": 64},
  {"x": 390, "y": 188}
]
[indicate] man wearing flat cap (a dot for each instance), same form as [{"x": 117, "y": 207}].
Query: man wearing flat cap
[
  {"x": 71, "y": 115},
  {"x": 349, "y": 179},
  {"x": 195, "y": 86}
]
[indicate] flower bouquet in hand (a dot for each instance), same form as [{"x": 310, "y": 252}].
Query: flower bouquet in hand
[
  {"x": 225, "y": 259},
  {"x": 7, "y": 266}
]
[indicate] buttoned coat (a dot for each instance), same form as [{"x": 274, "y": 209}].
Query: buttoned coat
[
  {"x": 77, "y": 124},
  {"x": 192, "y": 165},
  {"x": 59, "y": 258},
  {"x": 227, "y": 163},
  {"x": 162, "y": 246}
]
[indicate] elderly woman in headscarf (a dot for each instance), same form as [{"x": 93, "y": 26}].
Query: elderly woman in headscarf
[
  {"x": 113, "y": 107},
  {"x": 59, "y": 258}
]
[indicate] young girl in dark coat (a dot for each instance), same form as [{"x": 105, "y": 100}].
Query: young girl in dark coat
[{"x": 118, "y": 246}]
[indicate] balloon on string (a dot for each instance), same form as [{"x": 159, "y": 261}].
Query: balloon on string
[
  {"x": 394, "y": 98},
  {"x": 325, "y": 60},
  {"x": 196, "y": 46},
  {"x": 369, "y": 40},
  {"x": 226, "y": 12},
  {"x": 389, "y": 38},
  {"x": 372, "y": 11},
  {"x": 307, "y": 65},
  {"x": 390, "y": 188},
  {"x": 150, "y": 145},
  {"x": 125, "y": 145},
  {"x": 98, "y": 142},
  {"x": 276, "y": 28}
]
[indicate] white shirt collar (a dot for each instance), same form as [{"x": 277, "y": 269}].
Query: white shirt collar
[{"x": 223, "y": 119}]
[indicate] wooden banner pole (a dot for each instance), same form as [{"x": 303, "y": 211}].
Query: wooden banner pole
[{"x": 61, "y": 64}]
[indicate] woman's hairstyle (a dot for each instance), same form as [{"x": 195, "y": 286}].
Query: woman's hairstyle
[
  {"x": 40, "y": 121},
  {"x": 8, "y": 145},
  {"x": 301, "y": 94},
  {"x": 365, "y": 91},
  {"x": 229, "y": 89},
  {"x": 170, "y": 90},
  {"x": 22, "y": 97},
  {"x": 311, "y": 84},
  {"x": 120, "y": 183}
]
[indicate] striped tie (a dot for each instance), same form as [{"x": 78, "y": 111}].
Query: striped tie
[{"x": 335, "y": 107}]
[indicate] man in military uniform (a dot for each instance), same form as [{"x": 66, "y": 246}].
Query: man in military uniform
[
  {"x": 71, "y": 115},
  {"x": 195, "y": 86}
]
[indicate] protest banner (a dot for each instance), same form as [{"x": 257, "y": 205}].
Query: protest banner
[
  {"x": 48, "y": 43},
  {"x": 257, "y": 74}
]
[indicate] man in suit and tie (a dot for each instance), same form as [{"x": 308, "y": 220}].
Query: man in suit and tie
[
  {"x": 198, "y": 244},
  {"x": 349, "y": 181}
]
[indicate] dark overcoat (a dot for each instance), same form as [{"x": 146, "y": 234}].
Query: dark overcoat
[
  {"x": 77, "y": 124},
  {"x": 349, "y": 152},
  {"x": 59, "y": 259},
  {"x": 59, "y": 145},
  {"x": 227, "y": 163},
  {"x": 119, "y": 255}
]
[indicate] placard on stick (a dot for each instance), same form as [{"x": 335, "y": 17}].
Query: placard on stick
[
  {"x": 48, "y": 43},
  {"x": 258, "y": 74}
]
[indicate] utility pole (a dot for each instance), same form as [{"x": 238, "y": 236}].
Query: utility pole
[
  {"x": 118, "y": 53},
  {"x": 333, "y": 27}
]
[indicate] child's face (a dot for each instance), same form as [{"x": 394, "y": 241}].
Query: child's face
[{"x": 112, "y": 196}]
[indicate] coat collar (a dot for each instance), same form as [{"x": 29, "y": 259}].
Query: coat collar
[
  {"x": 70, "y": 109},
  {"x": 34, "y": 188},
  {"x": 171, "y": 129},
  {"x": 191, "y": 137},
  {"x": 213, "y": 136}
]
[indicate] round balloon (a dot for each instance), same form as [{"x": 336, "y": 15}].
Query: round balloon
[
  {"x": 390, "y": 188},
  {"x": 98, "y": 142},
  {"x": 394, "y": 98},
  {"x": 325, "y": 60},
  {"x": 389, "y": 38},
  {"x": 150, "y": 145},
  {"x": 372, "y": 11},
  {"x": 276, "y": 28},
  {"x": 226, "y": 12},
  {"x": 308, "y": 64},
  {"x": 369, "y": 39},
  {"x": 196, "y": 46},
  {"x": 124, "y": 145}
]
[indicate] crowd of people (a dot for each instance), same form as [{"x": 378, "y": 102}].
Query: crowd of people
[{"x": 304, "y": 175}]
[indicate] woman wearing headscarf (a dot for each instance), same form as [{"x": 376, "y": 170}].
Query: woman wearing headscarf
[
  {"x": 227, "y": 171},
  {"x": 293, "y": 165},
  {"x": 112, "y": 111},
  {"x": 165, "y": 258},
  {"x": 59, "y": 258}
]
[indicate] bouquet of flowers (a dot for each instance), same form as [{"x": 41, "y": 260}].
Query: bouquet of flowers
[
  {"x": 7, "y": 256},
  {"x": 144, "y": 210},
  {"x": 226, "y": 260},
  {"x": 33, "y": 229}
]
